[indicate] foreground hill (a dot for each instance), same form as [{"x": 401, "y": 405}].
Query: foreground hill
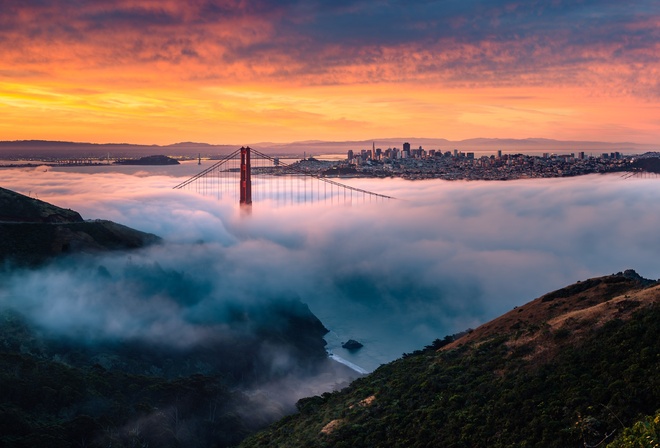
[
  {"x": 569, "y": 369},
  {"x": 66, "y": 382},
  {"x": 34, "y": 231},
  {"x": 65, "y": 392}
]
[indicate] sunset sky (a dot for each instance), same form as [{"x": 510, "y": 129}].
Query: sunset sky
[{"x": 247, "y": 71}]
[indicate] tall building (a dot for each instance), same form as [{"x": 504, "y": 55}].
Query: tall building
[
  {"x": 405, "y": 153},
  {"x": 499, "y": 153}
]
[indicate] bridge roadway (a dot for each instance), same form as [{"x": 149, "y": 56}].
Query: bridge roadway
[{"x": 243, "y": 173}]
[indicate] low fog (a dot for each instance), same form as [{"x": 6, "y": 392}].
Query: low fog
[{"x": 443, "y": 257}]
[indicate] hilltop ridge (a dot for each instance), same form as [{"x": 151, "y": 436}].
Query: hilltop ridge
[
  {"x": 602, "y": 299},
  {"x": 16, "y": 207},
  {"x": 34, "y": 231},
  {"x": 570, "y": 368}
]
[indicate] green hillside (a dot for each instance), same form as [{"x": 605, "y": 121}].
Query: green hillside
[
  {"x": 67, "y": 392},
  {"x": 33, "y": 232},
  {"x": 15, "y": 207},
  {"x": 67, "y": 386},
  {"x": 573, "y": 368}
]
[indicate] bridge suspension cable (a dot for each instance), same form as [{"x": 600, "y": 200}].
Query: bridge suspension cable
[
  {"x": 277, "y": 181},
  {"x": 207, "y": 170},
  {"x": 322, "y": 179}
]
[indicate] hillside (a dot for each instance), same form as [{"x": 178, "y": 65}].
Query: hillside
[
  {"x": 572, "y": 368},
  {"x": 149, "y": 160},
  {"x": 34, "y": 231},
  {"x": 15, "y": 207},
  {"x": 64, "y": 392},
  {"x": 99, "y": 372}
]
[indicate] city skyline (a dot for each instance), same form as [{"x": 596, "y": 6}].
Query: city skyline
[{"x": 150, "y": 72}]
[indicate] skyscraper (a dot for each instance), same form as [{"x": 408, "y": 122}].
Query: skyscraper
[{"x": 406, "y": 150}]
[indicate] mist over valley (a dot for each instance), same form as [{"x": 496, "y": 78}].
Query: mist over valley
[
  {"x": 220, "y": 294},
  {"x": 443, "y": 257}
]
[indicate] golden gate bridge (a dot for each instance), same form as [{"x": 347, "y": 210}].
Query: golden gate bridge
[{"x": 249, "y": 175}]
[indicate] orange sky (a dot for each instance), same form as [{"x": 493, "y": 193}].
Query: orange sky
[{"x": 147, "y": 71}]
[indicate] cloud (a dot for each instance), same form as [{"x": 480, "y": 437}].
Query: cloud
[
  {"x": 176, "y": 71},
  {"x": 455, "y": 43},
  {"x": 443, "y": 257}
]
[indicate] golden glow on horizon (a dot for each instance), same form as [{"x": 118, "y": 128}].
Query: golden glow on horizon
[
  {"x": 163, "y": 102},
  {"x": 201, "y": 111},
  {"x": 247, "y": 76}
]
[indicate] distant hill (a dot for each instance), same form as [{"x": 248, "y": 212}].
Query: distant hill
[
  {"x": 41, "y": 149},
  {"x": 649, "y": 162},
  {"x": 45, "y": 149},
  {"x": 149, "y": 160},
  {"x": 572, "y": 368},
  {"x": 34, "y": 231}
]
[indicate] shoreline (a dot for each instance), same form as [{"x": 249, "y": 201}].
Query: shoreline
[{"x": 348, "y": 364}]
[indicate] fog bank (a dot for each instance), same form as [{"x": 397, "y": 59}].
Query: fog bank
[{"x": 442, "y": 257}]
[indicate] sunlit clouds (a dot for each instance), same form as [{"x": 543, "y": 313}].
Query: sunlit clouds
[{"x": 235, "y": 72}]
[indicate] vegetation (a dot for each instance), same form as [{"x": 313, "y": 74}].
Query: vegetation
[
  {"x": 54, "y": 395},
  {"x": 643, "y": 434},
  {"x": 577, "y": 367},
  {"x": 651, "y": 164},
  {"x": 15, "y": 207},
  {"x": 51, "y": 404},
  {"x": 577, "y": 385},
  {"x": 83, "y": 390},
  {"x": 64, "y": 392},
  {"x": 149, "y": 160},
  {"x": 34, "y": 232}
]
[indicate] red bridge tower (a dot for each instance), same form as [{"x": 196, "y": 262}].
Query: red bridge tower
[{"x": 246, "y": 177}]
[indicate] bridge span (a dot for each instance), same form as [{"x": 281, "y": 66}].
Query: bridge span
[{"x": 248, "y": 175}]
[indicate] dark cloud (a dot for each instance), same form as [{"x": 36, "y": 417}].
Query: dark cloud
[
  {"x": 452, "y": 41},
  {"x": 134, "y": 18}
]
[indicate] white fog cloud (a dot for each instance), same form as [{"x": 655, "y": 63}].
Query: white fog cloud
[{"x": 445, "y": 256}]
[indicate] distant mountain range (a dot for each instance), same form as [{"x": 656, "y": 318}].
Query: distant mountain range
[{"x": 44, "y": 148}]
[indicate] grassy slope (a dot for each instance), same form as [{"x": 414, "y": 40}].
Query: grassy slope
[
  {"x": 16, "y": 207},
  {"x": 33, "y": 231},
  {"x": 568, "y": 369}
]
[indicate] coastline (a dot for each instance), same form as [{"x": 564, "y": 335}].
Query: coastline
[{"x": 348, "y": 364}]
